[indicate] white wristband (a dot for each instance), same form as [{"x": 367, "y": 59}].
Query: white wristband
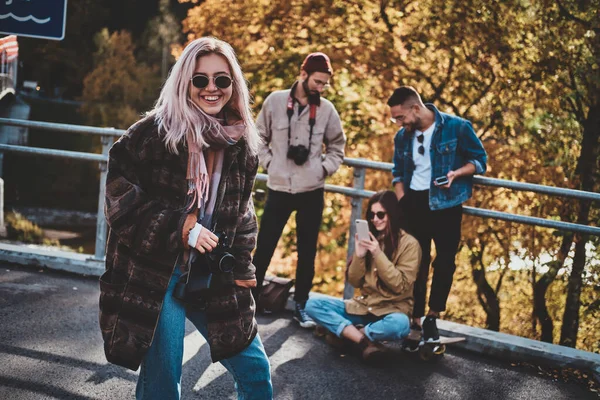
[{"x": 194, "y": 233}]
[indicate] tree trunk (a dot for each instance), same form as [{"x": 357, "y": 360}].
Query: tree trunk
[
  {"x": 586, "y": 167},
  {"x": 568, "y": 336},
  {"x": 540, "y": 311},
  {"x": 488, "y": 299}
]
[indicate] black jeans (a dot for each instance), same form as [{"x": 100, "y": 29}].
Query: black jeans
[
  {"x": 309, "y": 213},
  {"x": 443, "y": 227}
]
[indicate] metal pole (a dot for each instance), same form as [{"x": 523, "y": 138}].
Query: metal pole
[
  {"x": 359, "y": 183},
  {"x": 15, "y": 71},
  {"x": 76, "y": 155},
  {"x": 3, "y": 80},
  {"x": 66, "y": 128},
  {"x": 100, "y": 220},
  {"x": 2, "y": 227}
]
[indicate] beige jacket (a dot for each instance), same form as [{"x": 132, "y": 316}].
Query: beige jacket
[
  {"x": 284, "y": 174},
  {"x": 386, "y": 286}
]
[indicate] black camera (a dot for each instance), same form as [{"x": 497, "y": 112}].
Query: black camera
[
  {"x": 220, "y": 259},
  {"x": 205, "y": 272},
  {"x": 298, "y": 153}
]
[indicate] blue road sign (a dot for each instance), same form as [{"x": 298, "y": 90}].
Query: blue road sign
[{"x": 34, "y": 18}]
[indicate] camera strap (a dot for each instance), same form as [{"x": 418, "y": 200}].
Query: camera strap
[{"x": 312, "y": 119}]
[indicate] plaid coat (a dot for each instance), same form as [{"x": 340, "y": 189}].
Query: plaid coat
[{"x": 145, "y": 192}]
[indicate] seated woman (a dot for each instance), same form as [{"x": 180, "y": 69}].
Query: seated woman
[{"x": 384, "y": 268}]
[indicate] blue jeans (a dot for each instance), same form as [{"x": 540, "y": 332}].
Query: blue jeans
[
  {"x": 160, "y": 374},
  {"x": 331, "y": 313}
]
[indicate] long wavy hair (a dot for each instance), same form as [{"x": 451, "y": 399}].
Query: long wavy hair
[
  {"x": 391, "y": 233},
  {"x": 176, "y": 113}
]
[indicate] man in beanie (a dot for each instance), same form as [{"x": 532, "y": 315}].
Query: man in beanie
[{"x": 295, "y": 124}]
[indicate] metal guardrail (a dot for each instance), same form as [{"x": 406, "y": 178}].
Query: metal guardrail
[
  {"x": 484, "y": 181},
  {"x": 52, "y": 153},
  {"x": 67, "y": 128},
  {"x": 357, "y": 192},
  {"x": 107, "y": 136},
  {"x": 484, "y": 213}
]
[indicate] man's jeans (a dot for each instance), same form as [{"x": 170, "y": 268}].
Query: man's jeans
[
  {"x": 278, "y": 208},
  {"x": 331, "y": 313},
  {"x": 160, "y": 374},
  {"x": 443, "y": 227}
]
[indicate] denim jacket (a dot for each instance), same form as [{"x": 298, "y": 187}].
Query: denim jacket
[{"x": 453, "y": 145}]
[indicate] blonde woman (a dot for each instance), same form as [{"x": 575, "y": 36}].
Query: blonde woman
[{"x": 178, "y": 195}]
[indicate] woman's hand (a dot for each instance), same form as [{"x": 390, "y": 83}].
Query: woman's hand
[
  {"x": 372, "y": 245},
  {"x": 359, "y": 249},
  {"x": 206, "y": 242},
  {"x": 362, "y": 246}
]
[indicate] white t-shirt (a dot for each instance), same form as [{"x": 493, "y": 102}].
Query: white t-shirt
[{"x": 421, "y": 179}]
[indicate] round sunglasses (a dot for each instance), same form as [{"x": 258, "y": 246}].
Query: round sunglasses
[
  {"x": 201, "y": 81},
  {"x": 421, "y": 148},
  {"x": 378, "y": 214}
]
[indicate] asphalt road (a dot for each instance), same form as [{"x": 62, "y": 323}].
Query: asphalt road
[{"x": 50, "y": 348}]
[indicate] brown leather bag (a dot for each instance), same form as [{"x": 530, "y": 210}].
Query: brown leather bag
[{"x": 275, "y": 292}]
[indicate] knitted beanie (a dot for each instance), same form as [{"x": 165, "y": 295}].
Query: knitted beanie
[{"x": 317, "y": 62}]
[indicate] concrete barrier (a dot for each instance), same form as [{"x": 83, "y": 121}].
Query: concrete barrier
[
  {"x": 516, "y": 348},
  {"x": 43, "y": 256}
]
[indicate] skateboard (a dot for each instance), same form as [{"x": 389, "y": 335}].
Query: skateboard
[
  {"x": 428, "y": 351},
  {"x": 411, "y": 344}
]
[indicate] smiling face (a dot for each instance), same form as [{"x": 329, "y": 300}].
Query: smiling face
[
  {"x": 211, "y": 99},
  {"x": 406, "y": 116},
  {"x": 379, "y": 217}
]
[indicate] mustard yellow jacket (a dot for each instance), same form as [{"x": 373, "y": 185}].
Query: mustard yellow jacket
[{"x": 386, "y": 286}]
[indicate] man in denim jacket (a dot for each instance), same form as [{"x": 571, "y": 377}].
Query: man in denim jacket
[{"x": 435, "y": 158}]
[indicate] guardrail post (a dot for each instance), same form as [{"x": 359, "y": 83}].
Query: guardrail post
[
  {"x": 100, "y": 220},
  {"x": 2, "y": 227},
  {"x": 359, "y": 184}
]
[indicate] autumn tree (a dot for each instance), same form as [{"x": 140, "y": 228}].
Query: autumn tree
[
  {"x": 525, "y": 74},
  {"x": 162, "y": 32},
  {"x": 119, "y": 87},
  {"x": 573, "y": 56}
]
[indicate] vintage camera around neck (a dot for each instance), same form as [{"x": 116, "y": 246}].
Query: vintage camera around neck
[{"x": 298, "y": 153}]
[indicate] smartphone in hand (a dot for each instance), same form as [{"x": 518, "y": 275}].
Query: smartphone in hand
[
  {"x": 362, "y": 229},
  {"x": 441, "y": 180}
]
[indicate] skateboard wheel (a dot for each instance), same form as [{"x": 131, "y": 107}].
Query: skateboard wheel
[
  {"x": 440, "y": 350},
  {"x": 429, "y": 352}
]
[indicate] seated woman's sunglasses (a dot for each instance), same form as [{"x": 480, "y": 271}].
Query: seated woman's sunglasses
[
  {"x": 378, "y": 214},
  {"x": 201, "y": 81}
]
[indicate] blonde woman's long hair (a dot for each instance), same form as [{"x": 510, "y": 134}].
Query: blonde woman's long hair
[{"x": 176, "y": 113}]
